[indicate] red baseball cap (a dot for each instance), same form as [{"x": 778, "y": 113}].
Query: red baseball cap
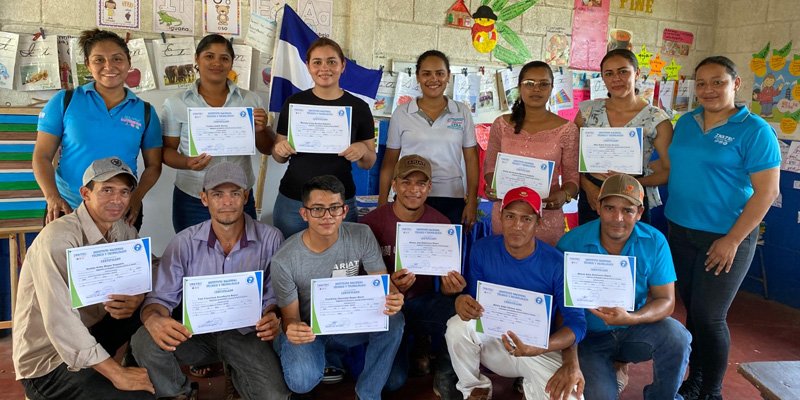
[{"x": 525, "y": 194}]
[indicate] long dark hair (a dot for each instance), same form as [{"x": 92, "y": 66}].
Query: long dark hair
[{"x": 518, "y": 109}]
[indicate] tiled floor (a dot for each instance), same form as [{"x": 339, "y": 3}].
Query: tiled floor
[{"x": 761, "y": 330}]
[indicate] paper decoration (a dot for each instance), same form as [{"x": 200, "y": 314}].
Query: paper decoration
[
  {"x": 778, "y": 59},
  {"x": 37, "y": 63},
  {"x": 619, "y": 39},
  {"x": 794, "y": 67},
  {"x": 466, "y": 89},
  {"x": 267, "y": 8},
  {"x": 633, "y": 5},
  {"x": 791, "y": 162},
  {"x": 406, "y": 90},
  {"x": 222, "y": 17},
  {"x": 673, "y": 70},
  {"x": 776, "y": 96},
  {"x": 174, "y": 63},
  {"x": 759, "y": 62},
  {"x": 121, "y": 14},
  {"x": 64, "y": 70},
  {"x": 561, "y": 97},
  {"x": 174, "y": 16},
  {"x": 676, "y": 43},
  {"x": 484, "y": 32},
  {"x": 488, "y": 96},
  {"x": 242, "y": 64},
  {"x": 80, "y": 73},
  {"x": 490, "y": 25},
  {"x": 643, "y": 57},
  {"x": 458, "y": 16},
  {"x": 317, "y": 14},
  {"x": 647, "y": 89},
  {"x": 666, "y": 94},
  {"x": 598, "y": 89},
  {"x": 657, "y": 65},
  {"x": 140, "y": 76},
  {"x": 684, "y": 98},
  {"x": 385, "y": 97},
  {"x": 261, "y": 33},
  {"x": 509, "y": 86},
  {"x": 8, "y": 58},
  {"x": 589, "y": 30},
  {"x": 556, "y": 47}
]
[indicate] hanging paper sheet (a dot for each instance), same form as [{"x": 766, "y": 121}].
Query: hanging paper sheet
[
  {"x": 8, "y": 59},
  {"x": 140, "y": 77},
  {"x": 64, "y": 69},
  {"x": 120, "y": 14},
  {"x": 261, "y": 33},
  {"x": 174, "y": 16},
  {"x": 561, "y": 97},
  {"x": 318, "y": 14},
  {"x": 676, "y": 43},
  {"x": 776, "y": 89},
  {"x": 242, "y": 64},
  {"x": 406, "y": 90},
  {"x": 647, "y": 89},
  {"x": 488, "y": 97},
  {"x": 509, "y": 86},
  {"x": 556, "y": 48},
  {"x": 271, "y": 9},
  {"x": 581, "y": 91},
  {"x": 466, "y": 89},
  {"x": 385, "y": 97},
  {"x": 222, "y": 17},
  {"x": 80, "y": 72},
  {"x": 684, "y": 98},
  {"x": 589, "y": 30},
  {"x": 37, "y": 63},
  {"x": 174, "y": 62}
]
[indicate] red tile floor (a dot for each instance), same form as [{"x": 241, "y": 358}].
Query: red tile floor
[{"x": 761, "y": 330}]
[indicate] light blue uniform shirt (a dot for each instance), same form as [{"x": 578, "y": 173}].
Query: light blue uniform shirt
[
  {"x": 89, "y": 131},
  {"x": 709, "y": 181},
  {"x": 654, "y": 265}
]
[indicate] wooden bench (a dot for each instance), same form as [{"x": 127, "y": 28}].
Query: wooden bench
[{"x": 776, "y": 380}]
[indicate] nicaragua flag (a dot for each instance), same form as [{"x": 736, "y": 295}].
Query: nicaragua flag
[{"x": 289, "y": 72}]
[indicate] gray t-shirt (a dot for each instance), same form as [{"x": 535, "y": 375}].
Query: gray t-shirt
[{"x": 294, "y": 265}]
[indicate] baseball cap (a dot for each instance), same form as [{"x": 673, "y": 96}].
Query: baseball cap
[
  {"x": 624, "y": 186},
  {"x": 410, "y": 164},
  {"x": 525, "y": 194},
  {"x": 106, "y": 168},
  {"x": 224, "y": 172}
]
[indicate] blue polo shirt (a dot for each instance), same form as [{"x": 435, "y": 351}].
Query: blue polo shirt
[
  {"x": 542, "y": 271},
  {"x": 654, "y": 265},
  {"x": 709, "y": 181},
  {"x": 89, "y": 132}
]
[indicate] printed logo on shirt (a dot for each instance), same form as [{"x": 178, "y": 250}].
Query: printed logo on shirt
[
  {"x": 134, "y": 123},
  {"x": 349, "y": 268},
  {"x": 41, "y": 114},
  {"x": 723, "y": 139},
  {"x": 455, "y": 123}
]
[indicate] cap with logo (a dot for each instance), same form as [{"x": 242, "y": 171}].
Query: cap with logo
[
  {"x": 412, "y": 163},
  {"x": 225, "y": 172},
  {"x": 525, "y": 194},
  {"x": 624, "y": 186},
  {"x": 106, "y": 168}
]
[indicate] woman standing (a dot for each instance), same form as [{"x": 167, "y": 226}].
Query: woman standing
[
  {"x": 325, "y": 62},
  {"x": 623, "y": 108},
  {"x": 724, "y": 178},
  {"x": 214, "y": 61},
  {"x": 97, "y": 120},
  {"x": 441, "y": 130},
  {"x": 533, "y": 131}
]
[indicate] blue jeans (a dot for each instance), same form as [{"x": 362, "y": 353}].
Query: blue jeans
[
  {"x": 286, "y": 215},
  {"x": 427, "y": 315},
  {"x": 255, "y": 369},
  {"x": 303, "y": 364},
  {"x": 189, "y": 210},
  {"x": 707, "y": 298},
  {"x": 666, "y": 342}
]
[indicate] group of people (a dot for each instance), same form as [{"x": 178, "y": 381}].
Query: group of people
[{"x": 722, "y": 181}]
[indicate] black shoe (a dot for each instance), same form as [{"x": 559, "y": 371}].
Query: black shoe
[
  {"x": 332, "y": 375},
  {"x": 518, "y": 385},
  {"x": 690, "y": 389}
]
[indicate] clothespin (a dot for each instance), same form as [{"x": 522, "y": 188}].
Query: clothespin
[
  {"x": 646, "y": 76},
  {"x": 683, "y": 78},
  {"x": 381, "y": 68},
  {"x": 664, "y": 78},
  {"x": 39, "y": 34},
  {"x": 409, "y": 71},
  {"x": 481, "y": 70},
  {"x": 164, "y": 37},
  {"x": 561, "y": 70},
  {"x": 510, "y": 67},
  {"x": 127, "y": 37},
  {"x": 464, "y": 71},
  {"x": 231, "y": 40}
]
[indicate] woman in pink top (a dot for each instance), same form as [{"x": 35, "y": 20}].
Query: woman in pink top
[{"x": 533, "y": 131}]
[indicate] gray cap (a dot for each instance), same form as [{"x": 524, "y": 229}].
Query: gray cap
[
  {"x": 224, "y": 172},
  {"x": 106, "y": 168}
]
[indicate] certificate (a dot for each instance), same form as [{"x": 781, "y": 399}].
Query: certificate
[
  {"x": 221, "y": 131},
  {"x": 94, "y": 272},
  {"x": 214, "y": 303},
  {"x": 428, "y": 249},
  {"x": 512, "y": 171},
  {"x": 349, "y": 305},
  {"x": 611, "y": 149},
  {"x": 599, "y": 280},
  {"x": 319, "y": 129},
  {"x": 526, "y": 313}
]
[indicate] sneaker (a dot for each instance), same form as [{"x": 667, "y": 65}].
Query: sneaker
[
  {"x": 479, "y": 394},
  {"x": 518, "y": 385},
  {"x": 332, "y": 375},
  {"x": 690, "y": 389}
]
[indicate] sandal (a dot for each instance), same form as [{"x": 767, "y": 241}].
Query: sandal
[{"x": 199, "y": 371}]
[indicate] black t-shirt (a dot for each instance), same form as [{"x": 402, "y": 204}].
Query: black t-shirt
[{"x": 304, "y": 166}]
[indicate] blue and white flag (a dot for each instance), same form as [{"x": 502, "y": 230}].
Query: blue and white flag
[{"x": 289, "y": 72}]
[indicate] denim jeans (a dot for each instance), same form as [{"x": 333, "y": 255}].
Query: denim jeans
[
  {"x": 707, "y": 298},
  {"x": 286, "y": 215},
  {"x": 666, "y": 342},
  {"x": 303, "y": 364},
  {"x": 189, "y": 210},
  {"x": 427, "y": 315},
  {"x": 86, "y": 384},
  {"x": 255, "y": 369}
]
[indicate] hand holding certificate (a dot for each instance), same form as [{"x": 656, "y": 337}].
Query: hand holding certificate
[
  {"x": 611, "y": 149},
  {"x": 215, "y": 303},
  {"x": 221, "y": 131},
  {"x": 349, "y": 305},
  {"x": 428, "y": 249},
  {"x": 599, "y": 280},
  {"x": 319, "y": 129},
  {"x": 95, "y": 272},
  {"x": 528, "y": 314},
  {"x": 512, "y": 171}
]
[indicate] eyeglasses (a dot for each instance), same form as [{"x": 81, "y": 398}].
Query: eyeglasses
[
  {"x": 531, "y": 84},
  {"x": 319, "y": 212}
]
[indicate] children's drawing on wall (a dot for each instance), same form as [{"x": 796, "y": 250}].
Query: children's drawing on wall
[
  {"x": 556, "y": 46},
  {"x": 222, "y": 17},
  {"x": 676, "y": 43},
  {"x": 140, "y": 76},
  {"x": 118, "y": 14},
  {"x": 776, "y": 89},
  {"x": 589, "y": 30},
  {"x": 174, "y": 62},
  {"x": 174, "y": 16},
  {"x": 620, "y": 39},
  {"x": 8, "y": 58},
  {"x": 491, "y": 34},
  {"x": 37, "y": 63},
  {"x": 385, "y": 96},
  {"x": 458, "y": 16}
]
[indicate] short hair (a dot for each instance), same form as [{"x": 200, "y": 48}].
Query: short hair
[
  {"x": 322, "y": 42},
  {"x": 328, "y": 183},
  {"x": 213, "y": 38},
  {"x": 730, "y": 66},
  {"x": 433, "y": 53},
  {"x": 90, "y": 38}
]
